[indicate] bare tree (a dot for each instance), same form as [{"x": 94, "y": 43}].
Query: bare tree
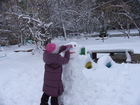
[{"x": 29, "y": 18}]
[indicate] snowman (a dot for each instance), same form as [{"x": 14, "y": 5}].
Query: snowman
[{"x": 74, "y": 78}]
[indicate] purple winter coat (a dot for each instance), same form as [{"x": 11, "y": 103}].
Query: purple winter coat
[{"x": 53, "y": 70}]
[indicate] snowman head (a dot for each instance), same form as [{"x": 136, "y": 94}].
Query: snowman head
[{"x": 74, "y": 51}]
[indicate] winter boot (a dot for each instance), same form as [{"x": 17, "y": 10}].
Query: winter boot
[
  {"x": 54, "y": 101},
  {"x": 44, "y": 104}
]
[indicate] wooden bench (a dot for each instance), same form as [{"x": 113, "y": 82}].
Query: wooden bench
[
  {"x": 29, "y": 50},
  {"x": 127, "y": 52}
]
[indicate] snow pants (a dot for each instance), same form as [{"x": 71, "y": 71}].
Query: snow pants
[{"x": 45, "y": 99}]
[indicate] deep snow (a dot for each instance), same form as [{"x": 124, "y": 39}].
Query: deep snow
[{"x": 21, "y": 76}]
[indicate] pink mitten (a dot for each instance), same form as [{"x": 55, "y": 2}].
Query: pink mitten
[{"x": 68, "y": 47}]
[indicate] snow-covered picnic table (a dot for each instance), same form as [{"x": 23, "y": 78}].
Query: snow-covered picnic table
[{"x": 127, "y": 52}]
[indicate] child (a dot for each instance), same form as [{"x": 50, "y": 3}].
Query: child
[{"x": 53, "y": 70}]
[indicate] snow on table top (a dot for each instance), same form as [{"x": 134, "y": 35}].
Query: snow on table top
[{"x": 110, "y": 50}]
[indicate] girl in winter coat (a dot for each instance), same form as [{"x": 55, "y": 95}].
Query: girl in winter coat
[{"x": 53, "y": 70}]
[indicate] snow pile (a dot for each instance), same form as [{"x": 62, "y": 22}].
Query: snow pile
[
  {"x": 2, "y": 52},
  {"x": 21, "y": 78},
  {"x": 105, "y": 61},
  {"x": 94, "y": 86}
]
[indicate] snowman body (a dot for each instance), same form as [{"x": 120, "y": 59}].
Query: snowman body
[{"x": 74, "y": 79}]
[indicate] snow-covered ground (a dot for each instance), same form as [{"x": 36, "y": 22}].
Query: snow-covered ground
[{"x": 21, "y": 76}]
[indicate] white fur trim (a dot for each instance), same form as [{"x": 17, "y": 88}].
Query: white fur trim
[{"x": 56, "y": 49}]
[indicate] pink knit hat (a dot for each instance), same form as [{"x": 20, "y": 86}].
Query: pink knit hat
[{"x": 52, "y": 48}]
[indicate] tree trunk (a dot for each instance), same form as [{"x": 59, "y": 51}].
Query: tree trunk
[{"x": 64, "y": 30}]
